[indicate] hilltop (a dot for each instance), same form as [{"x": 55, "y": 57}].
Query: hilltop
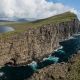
[
  {"x": 67, "y": 16},
  {"x": 22, "y": 26}
]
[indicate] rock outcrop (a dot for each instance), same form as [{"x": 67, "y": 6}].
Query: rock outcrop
[
  {"x": 35, "y": 43},
  {"x": 60, "y": 71},
  {"x": 53, "y": 72}
]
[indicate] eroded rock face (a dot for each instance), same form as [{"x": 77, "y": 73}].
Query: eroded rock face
[{"x": 35, "y": 43}]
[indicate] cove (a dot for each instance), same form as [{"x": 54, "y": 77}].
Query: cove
[
  {"x": 4, "y": 29},
  {"x": 68, "y": 48}
]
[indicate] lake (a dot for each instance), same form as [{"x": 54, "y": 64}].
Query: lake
[{"x": 4, "y": 29}]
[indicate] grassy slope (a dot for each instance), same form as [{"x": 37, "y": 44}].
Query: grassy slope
[
  {"x": 74, "y": 68},
  {"x": 19, "y": 27},
  {"x": 54, "y": 19}
]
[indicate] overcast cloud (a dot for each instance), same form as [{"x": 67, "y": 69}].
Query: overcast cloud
[{"x": 31, "y": 8}]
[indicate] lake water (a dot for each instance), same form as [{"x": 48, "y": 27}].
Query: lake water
[{"x": 4, "y": 29}]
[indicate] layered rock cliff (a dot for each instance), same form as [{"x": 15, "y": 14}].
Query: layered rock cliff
[{"x": 33, "y": 44}]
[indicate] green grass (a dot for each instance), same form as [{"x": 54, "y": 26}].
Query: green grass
[
  {"x": 68, "y": 16},
  {"x": 74, "y": 73},
  {"x": 8, "y": 34}
]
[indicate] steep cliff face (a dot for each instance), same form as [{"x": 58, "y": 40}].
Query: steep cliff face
[{"x": 33, "y": 44}]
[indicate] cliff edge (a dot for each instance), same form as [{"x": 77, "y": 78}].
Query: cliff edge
[{"x": 35, "y": 43}]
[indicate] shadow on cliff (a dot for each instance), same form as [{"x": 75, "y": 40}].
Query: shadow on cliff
[{"x": 16, "y": 73}]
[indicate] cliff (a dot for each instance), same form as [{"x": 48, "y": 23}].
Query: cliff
[{"x": 35, "y": 43}]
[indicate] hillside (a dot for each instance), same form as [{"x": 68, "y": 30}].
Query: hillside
[
  {"x": 22, "y": 26},
  {"x": 68, "y": 16}
]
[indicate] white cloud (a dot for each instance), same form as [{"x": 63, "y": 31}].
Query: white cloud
[
  {"x": 31, "y": 8},
  {"x": 76, "y": 12}
]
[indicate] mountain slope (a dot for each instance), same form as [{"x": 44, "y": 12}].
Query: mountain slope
[
  {"x": 55, "y": 20},
  {"x": 68, "y": 16}
]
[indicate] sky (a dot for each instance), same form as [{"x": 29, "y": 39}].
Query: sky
[
  {"x": 71, "y": 3},
  {"x": 37, "y": 9}
]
